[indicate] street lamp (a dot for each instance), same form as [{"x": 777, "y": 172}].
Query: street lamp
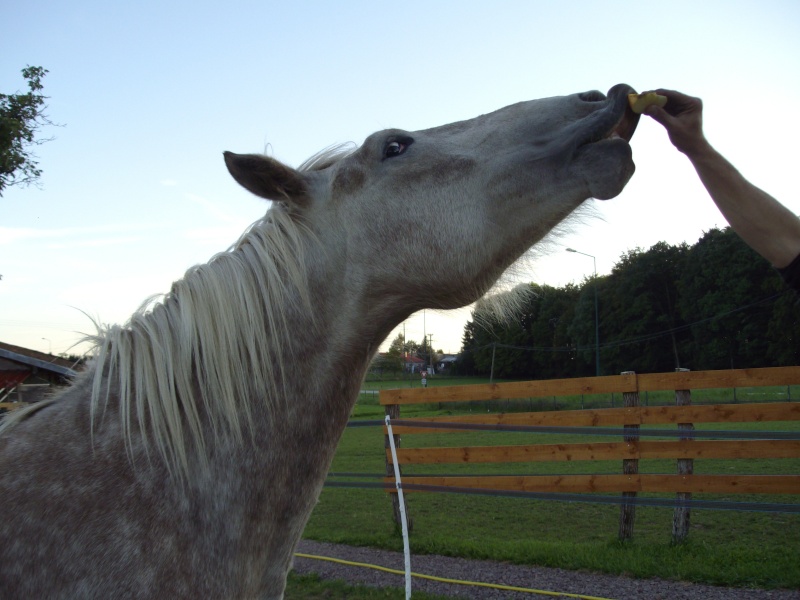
[
  {"x": 50, "y": 344},
  {"x": 596, "y": 314}
]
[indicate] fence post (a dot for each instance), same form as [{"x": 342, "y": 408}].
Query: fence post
[
  {"x": 630, "y": 466},
  {"x": 682, "y": 514},
  {"x": 393, "y": 410}
]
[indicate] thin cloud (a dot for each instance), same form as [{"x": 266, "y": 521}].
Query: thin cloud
[
  {"x": 215, "y": 210},
  {"x": 95, "y": 243},
  {"x": 10, "y": 235}
]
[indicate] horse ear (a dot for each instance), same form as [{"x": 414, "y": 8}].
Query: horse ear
[{"x": 267, "y": 177}]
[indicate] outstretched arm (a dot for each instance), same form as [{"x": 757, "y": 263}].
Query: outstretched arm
[{"x": 761, "y": 221}]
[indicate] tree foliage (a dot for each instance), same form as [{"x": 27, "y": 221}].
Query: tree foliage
[
  {"x": 393, "y": 360},
  {"x": 21, "y": 118},
  {"x": 714, "y": 305}
]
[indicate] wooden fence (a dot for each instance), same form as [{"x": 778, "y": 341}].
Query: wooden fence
[{"x": 686, "y": 447}]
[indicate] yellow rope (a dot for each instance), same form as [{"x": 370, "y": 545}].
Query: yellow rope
[{"x": 497, "y": 586}]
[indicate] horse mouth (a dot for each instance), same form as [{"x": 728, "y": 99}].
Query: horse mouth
[
  {"x": 615, "y": 121},
  {"x": 628, "y": 120},
  {"x": 603, "y": 157}
]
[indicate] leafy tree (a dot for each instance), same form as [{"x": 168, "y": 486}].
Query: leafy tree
[
  {"x": 639, "y": 311},
  {"x": 727, "y": 292},
  {"x": 714, "y": 305},
  {"x": 400, "y": 347},
  {"x": 396, "y": 347},
  {"x": 783, "y": 331},
  {"x": 393, "y": 360},
  {"x": 533, "y": 343},
  {"x": 582, "y": 328},
  {"x": 390, "y": 361},
  {"x": 21, "y": 119},
  {"x": 554, "y": 349},
  {"x": 476, "y": 352}
]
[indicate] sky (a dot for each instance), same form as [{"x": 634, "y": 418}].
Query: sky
[{"x": 149, "y": 94}]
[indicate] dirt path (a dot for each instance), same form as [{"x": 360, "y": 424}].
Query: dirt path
[{"x": 541, "y": 578}]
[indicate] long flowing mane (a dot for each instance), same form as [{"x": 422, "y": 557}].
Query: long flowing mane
[
  {"x": 208, "y": 346},
  {"x": 211, "y": 344}
]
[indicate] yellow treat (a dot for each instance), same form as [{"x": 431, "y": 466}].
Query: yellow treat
[{"x": 639, "y": 102}]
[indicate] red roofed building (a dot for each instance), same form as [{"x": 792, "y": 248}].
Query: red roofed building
[
  {"x": 27, "y": 375},
  {"x": 414, "y": 364}
]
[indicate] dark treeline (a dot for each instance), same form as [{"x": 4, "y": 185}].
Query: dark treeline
[{"x": 713, "y": 305}]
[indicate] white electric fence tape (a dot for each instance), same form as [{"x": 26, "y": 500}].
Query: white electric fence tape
[{"x": 401, "y": 500}]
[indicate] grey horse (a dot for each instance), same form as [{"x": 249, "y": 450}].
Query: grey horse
[{"x": 186, "y": 460}]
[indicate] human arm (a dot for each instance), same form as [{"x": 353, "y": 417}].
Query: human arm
[{"x": 760, "y": 220}]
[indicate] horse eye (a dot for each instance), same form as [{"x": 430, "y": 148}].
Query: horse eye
[{"x": 395, "y": 148}]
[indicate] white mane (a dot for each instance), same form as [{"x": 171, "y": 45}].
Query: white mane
[{"x": 206, "y": 348}]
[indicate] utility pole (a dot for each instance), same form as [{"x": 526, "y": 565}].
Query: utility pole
[
  {"x": 491, "y": 373},
  {"x": 405, "y": 357},
  {"x": 596, "y": 313}
]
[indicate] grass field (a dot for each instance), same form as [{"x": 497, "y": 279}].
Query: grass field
[
  {"x": 371, "y": 388},
  {"x": 724, "y": 547}
]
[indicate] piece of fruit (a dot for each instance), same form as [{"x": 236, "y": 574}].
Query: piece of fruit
[{"x": 639, "y": 102}]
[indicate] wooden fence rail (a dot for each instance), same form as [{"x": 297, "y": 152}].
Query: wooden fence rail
[{"x": 685, "y": 447}]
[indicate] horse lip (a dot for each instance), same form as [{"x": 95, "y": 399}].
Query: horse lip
[
  {"x": 627, "y": 120},
  {"x": 615, "y": 120},
  {"x": 626, "y": 126}
]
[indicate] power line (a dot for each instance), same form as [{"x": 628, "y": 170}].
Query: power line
[{"x": 634, "y": 340}]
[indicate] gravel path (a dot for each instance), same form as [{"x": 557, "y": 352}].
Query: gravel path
[{"x": 542, "y": 578}]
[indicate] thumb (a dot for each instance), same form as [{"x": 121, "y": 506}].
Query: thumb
[{"x": 657, "y": 113}]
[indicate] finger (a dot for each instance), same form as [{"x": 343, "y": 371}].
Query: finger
[
  {"x": 674, "y": 95},
  {"x": 658, "y": 114},
  {"x": 679, "y": 103}
]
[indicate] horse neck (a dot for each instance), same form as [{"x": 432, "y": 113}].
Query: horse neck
[
  {"x": 332, "y": 347},
  {"x": 322, "y": 326}
]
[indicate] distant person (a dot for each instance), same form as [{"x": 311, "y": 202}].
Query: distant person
[
  {"x": 424, "y": 379},
  {"x": 760, "y": 220}
]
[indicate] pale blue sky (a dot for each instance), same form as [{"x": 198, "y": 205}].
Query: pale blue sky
[{"x": 135, "y": 191}]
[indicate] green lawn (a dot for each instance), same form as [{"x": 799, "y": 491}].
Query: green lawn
[
  {"x": 711, "y": 396},
  {"x": 724, "y": 547}
]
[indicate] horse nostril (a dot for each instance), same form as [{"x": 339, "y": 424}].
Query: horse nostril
[{"x": 593, "y": 96}]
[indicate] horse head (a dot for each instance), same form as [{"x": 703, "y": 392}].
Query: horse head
[{"x": 435, "y": 216}]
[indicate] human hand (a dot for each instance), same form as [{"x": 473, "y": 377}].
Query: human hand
[{"x": 682, "y": 117}]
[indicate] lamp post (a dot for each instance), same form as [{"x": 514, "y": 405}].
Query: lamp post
[
  {"x": 596, "y": 313},
  {"x": 50, "y": 344}
]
